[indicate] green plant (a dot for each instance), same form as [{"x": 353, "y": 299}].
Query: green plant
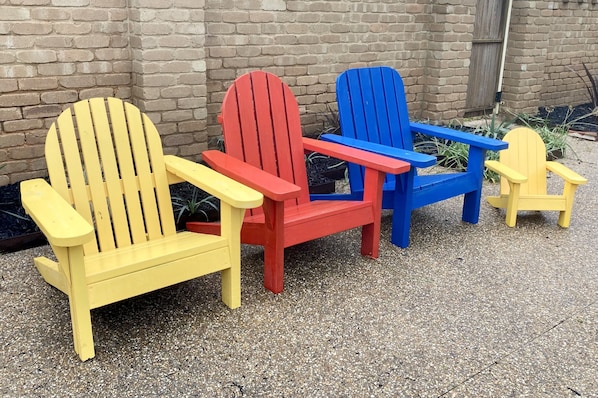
[
  {"x": 193, "y": 205},
  {"x": 331, "y": 123},
  {"x": 553, "y": 135},
  {"x": 454, "y": 155},
  {"x": 10, "y": 213},
  {"x": 591, "y": 84},
  {"x": 311, "y": 157},
  {"x": 13, "y": 214}
]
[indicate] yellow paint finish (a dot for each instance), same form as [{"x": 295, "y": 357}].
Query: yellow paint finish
[
  {"x": 108, "y": 214},
  {"x": 523, "y": 167}
]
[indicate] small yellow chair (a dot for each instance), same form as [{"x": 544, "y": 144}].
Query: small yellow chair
[
  {"x": 522, "y": 169},
  {"x": 108, "y": 214}
]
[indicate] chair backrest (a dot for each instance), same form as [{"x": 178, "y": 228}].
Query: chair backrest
[
  {"x": 261, "y": 126},
  {"x": 527, "y": 155},
  {"x": 372, "y": 107},
  {"x": 105, "y": 157}
]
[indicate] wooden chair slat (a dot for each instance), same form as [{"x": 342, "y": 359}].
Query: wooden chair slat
[
  {"x": 135, "y": 224},
  {"x": 112, "y": 180},
  {"x": 74, "y": 171},
  {"x": 94, "y": 174},
  {"x": 156, "y": 157},
  {"x": 143, "y": 172}
]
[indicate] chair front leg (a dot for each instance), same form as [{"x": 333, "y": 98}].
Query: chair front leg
[
  {"x": 472, "y": 200},
  {"x": 78, "y": 301},
  {"x": 274, "y": 245},
  {"x": 370, "y": 233},
  {"x": 512, "y": 203},
  {"x": 231, "y": 221}
]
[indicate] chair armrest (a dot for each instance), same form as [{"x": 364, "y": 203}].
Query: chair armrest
[
  {"x": 414, "y": 158},
  {"x": 269, "y": 185},
  {"x": 505, "y": 171},
  {"x": 216, "y": 184},
  {"x": 565, "y": 173},
  {"x": 343, "y": 150},
  {"x": 459, "y": 136},
  {"x": 57, "y": 219}
]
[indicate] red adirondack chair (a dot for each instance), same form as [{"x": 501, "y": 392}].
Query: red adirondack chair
[{"x": 265, "y": 149}]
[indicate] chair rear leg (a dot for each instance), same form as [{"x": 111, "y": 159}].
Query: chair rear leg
[{"x": 403, "y": 205}]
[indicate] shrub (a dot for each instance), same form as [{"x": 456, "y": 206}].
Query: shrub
[{"x": 591, "y": 84}]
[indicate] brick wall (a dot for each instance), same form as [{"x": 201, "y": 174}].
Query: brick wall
[
  {"x": 175, "y": 59},
  {"x": 53, "y": 53},
  {"x": 548, "y": 41},
  {"x": 573, "y": 39}
]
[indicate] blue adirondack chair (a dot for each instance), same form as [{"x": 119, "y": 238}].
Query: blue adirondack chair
[{"x": 373, "y": 116}]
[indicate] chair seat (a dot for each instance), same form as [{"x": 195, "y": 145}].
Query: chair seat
[
  {"x": 126, "y": 260},
  {"x": 128, "y": 272},
  {"x": 432, "y": 188},
  {"x": 311, "y": 220}
]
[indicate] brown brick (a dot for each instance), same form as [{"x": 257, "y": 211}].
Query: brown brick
[
  {"x": 160, "y": 105},
  {"x": 16, "y": 177},
  {"x": 96, "y": 92},
  {"x": 12, "y": 140},
  {"x": 91, "y": 41},
  {"x": 77, "y": 81},
  {"x": 8, "y": 85},
  {"x": 41, "y": 111},
  {"x": 70, "y": 3},
  {"x": 13, "y": 166},
  {"x": 20, "y": 99},
  {"x": 72, "y": 55},
  {"x": 83, "y": 14},
  {"x": 178, "y": 140},
  {"x": 59, "y": 97},
  {"x": 36, "y": 135},
  {"x": 192, "y": 150},
  {"x": 10, "y": 114},
  {"x": 56, "y": 69},
  {"x": 177, "y": 116},
  {"x": 36, "y": 56},
  {"x": 15, "y": 14},
  {"x": 30, "y": 28},
  {"x": 26, "y": 152},
  {"x": 22, "y": 125},
  {"x": 50, "y": 14},
  {"x": 72, "y": 28},
  {"x": 114, "y": 79}
]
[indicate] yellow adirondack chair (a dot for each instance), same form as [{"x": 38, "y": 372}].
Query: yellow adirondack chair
[
  {"x": 109, "y": 219},
  {"x": 522, "y": 168}
]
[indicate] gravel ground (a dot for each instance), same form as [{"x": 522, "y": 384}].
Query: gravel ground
[{"x": 466, "y": 311}]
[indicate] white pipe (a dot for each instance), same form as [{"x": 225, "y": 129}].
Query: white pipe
[{"x": 503, "y": 55}]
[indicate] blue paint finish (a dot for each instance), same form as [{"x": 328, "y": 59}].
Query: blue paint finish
[{"x": 374, "y": 117}]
